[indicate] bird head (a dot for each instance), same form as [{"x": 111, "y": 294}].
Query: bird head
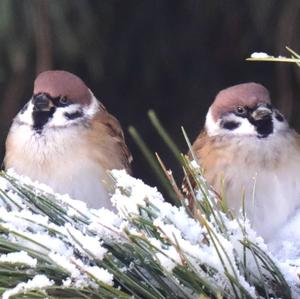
[
  {"x": 60, "y": 99},
  {"x": 244, "y": 110}
]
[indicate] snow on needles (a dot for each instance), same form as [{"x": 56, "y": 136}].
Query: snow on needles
[
  {"x": 39, "y": 282},
  {"x": 177, "y": 227},
  {"x": 285, "y": 247},
  {"x": 259, "y": 55},
  {"x": 57, "y": 243},
  {"x": 100, "y": 274},
  {"x": 132, "y": 194},
  {"x": 20, "y": 257},
  {"x": 75, "y": 241},
  {"x": 86, "y": 244}
]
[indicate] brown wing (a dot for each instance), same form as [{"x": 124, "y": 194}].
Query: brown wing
[
  {"x": 112, "y": 151},
  {"x": 199, "y": 143},
  {"x": 190, "y": 182},
  {"x": 206, "y": 152}
]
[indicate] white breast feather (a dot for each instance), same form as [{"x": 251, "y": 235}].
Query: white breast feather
[
  {"x": 268, "y": 170},
  {"x": 59, "y": 160}
]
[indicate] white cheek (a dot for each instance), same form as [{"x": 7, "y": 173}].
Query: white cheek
[
  {"x": 59, "y": 119},
  {"x": 245, "y": 127},
  {"x": 26, "y": 116},
  {"x": 211, "y": 126},
  {"x": 214, "y": 128},
  {"x": 93, "y": 108},
  {"x": 280, "y": 126}
]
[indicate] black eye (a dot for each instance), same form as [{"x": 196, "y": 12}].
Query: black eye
[
  {"x": 240, "y": 110},
  {"x": 64, "y": 101},
  {"x": 269, "y": 106}
]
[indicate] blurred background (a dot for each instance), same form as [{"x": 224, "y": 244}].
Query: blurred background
[{"x": 168, "y": 55}]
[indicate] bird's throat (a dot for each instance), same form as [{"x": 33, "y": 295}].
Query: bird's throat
[
  {"x": 40, "y": 118},
  {"x": 264, "y": 127}
]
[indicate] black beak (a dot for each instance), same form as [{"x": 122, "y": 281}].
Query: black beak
[
  {"x": 262, "y": 112},
  {"x": 42, "y": 102}
]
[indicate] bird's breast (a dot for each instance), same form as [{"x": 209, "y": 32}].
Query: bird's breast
[
  {"x": 60, "y": 161},
  {"x": 266, "y": 172}
]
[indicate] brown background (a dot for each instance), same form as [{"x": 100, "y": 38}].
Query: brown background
[{"x": 172, "y": 56}]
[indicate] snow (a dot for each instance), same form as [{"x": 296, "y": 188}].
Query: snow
[
  {"x": 89, "y": 276},
  {"x": 20, "y": 257},
  {"x": 38, "y": 233},
  {"x": 77, "y": 246},
  {"x": 176, "y": 227},
  {"x": 194, "y": 164},
  {"x": 260, "y": 55},
  {"x": 67, "y": 282},
  {"x": 74, "y": 207},
  {"x": 21, "y": 225},
  {"x": 100, "y": 274},
  {"x": 167, "y": 257},
  {"x": 78, "y": 271},
  {"x": 105, "y": 223},
  {"x": 285, "y": 248},
  {"x": 138, "y": 192},
  {"x": 165, "y": 260},
  {"x": 65, "y": 262},
  {"x": 39, "y": 282},
  {"x": 88, "y": 245}
]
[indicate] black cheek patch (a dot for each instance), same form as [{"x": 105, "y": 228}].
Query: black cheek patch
[
  {"x": 229, "y": 125},
  {"x": 40, "y": 118},
  {"x": 73, "y": 115},
  {"x": 264, "y": 127}
]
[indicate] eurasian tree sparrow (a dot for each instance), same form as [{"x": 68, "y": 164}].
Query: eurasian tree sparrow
[
  {"x": 65, "y": 138},
  {"x": 248, "y": 146}
]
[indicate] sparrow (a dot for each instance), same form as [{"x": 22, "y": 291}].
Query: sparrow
[
  {"x": 248, "y": 152},
  {"x": 65, "y": 138}
]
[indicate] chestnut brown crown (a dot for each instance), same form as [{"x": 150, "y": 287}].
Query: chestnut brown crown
[
  {"x": 246, "y": 95},
  {"x": 62, "y": 83}
]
